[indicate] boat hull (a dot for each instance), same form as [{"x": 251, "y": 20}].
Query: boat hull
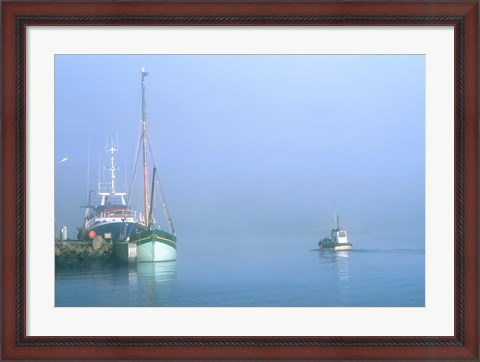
[
  {"x": 156, "y": 245},
  {"x": 338, "y": 246},
  {"x": 343, "y": 247}
]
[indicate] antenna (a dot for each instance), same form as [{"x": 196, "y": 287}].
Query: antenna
[
  {"x": 112, "y": 148},
  {"x": 98, "y": 176},
  {"x": 125, "y": 172},
  {"x": 335, "y": 217},
  {"x": 88, "y": 172}
]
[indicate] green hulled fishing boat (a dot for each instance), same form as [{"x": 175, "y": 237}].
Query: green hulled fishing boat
[{"x": 153, "y": 244}]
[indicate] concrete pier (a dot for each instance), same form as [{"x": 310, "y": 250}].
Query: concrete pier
[{"x": 125, "y": 252}]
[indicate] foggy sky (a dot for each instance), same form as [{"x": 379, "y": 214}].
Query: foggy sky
[{"x": 254, "y": 145}]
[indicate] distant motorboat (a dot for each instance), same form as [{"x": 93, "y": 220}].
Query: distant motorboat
[{"x": 338, "y": 239}]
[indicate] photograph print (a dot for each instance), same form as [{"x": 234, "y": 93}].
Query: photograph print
[{"x": 239, "y": 180}]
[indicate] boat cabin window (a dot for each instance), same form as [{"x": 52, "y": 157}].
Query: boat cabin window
[
  {"x": 342, "y": 234},
  {"x": 115, "y": 213}
]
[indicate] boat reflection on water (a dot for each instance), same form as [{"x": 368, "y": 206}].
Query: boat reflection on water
[
  {"x": 160, "y": 272},
  {"x": 337, "y": 265},
  {"x": 156, "y": 280}
]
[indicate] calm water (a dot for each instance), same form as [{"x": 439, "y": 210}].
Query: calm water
[{"x": 269, "y": 277}]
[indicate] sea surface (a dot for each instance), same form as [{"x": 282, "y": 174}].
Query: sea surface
[{"x": 253, "y": 277}]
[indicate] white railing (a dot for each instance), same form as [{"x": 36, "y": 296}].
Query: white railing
[{"x": 115, "y": 215}]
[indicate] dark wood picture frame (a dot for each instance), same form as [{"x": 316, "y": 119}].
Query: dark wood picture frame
[{"x": 17, "y": 15}]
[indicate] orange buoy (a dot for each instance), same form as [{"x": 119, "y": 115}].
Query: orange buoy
[{"x": 92, "y": 234}]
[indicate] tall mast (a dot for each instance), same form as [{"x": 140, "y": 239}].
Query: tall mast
[{"x": 144, "y": 138}]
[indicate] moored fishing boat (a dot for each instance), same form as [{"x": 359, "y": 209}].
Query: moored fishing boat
[
  {"x": 111, "y": 218},
  {"x": 338, "y": 239},
  {"x": 153, "y": 244}
]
